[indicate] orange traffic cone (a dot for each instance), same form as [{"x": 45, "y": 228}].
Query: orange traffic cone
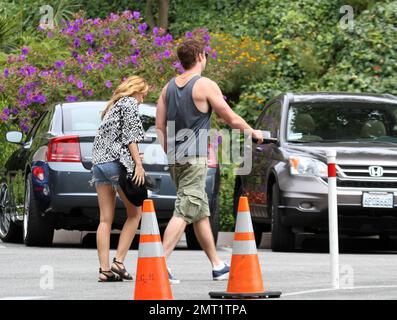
[
  {"x": 245, "y": 277},
  {"x": 152, "y": 281}
]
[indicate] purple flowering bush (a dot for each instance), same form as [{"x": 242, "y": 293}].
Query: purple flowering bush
[{"x": 95, "y": 55}]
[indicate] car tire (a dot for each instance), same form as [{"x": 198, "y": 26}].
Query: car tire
[
  {"x": 238, "y": 192},
  {"x": 259, "y": 228},
  {"x": 282, "y": 239},
  {"x": 9, "y": 231},
  {"x": 387, "y": 242},
  {"x": 37, "y": 230},
  {"x": 191, "y": 239}
]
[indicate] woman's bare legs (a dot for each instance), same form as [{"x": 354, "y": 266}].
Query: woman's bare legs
[
  {"x": 107, "y": 201},
  {"x": 129, "y": 229}
]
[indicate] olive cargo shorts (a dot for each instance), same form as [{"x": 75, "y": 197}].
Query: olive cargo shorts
[{"x": 191, "y": 199}]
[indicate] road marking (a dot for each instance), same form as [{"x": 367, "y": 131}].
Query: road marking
[
  {"x": 306, "y": 292},
  {"x": 372, "y": 287},
  {"x": 22, "y": 298},
  {"x": 332, "y": 289}
]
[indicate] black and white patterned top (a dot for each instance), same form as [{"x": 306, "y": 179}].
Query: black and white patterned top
[{"x": 120, "y": 127}]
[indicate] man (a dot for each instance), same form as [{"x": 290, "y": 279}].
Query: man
[{"x": 185, "y": 104}]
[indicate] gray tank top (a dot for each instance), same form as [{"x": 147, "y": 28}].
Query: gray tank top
[{"x": 188, "y": 127}]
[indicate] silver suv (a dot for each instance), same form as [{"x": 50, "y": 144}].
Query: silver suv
[{"x": 287, "y": 187}]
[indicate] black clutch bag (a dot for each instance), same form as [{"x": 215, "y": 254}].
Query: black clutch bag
[{"x": 134, "y": 193}]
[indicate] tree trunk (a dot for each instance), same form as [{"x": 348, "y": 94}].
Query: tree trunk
[
  {"x": 149, "y": 13},
  {"x": 163, "y": 14}
]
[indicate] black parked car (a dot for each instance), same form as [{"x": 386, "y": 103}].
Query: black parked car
[
  {"x": 45, "y": 186},
  {"x": 287, "y": 187}
]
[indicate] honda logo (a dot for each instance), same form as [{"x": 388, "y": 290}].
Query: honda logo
[{"x": 375, "y": 171}]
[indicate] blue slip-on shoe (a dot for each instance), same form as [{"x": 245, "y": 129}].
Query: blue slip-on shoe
[
  {"x": 171, "y": 277},
  {"x": 222, "y": 274}
]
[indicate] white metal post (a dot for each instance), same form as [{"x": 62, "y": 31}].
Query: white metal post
[{"x": 333, "y": 218}]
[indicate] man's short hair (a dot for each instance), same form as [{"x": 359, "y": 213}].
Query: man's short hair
[{"x": 188, "y": 51}]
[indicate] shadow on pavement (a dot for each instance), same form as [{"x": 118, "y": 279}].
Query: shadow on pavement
[
  {"x": 305, "y": 243},
  {"x": 89, "y": 242},
  {"x": 356, "y": 245}
]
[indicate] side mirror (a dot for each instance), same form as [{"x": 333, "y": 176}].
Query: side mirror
[{"x": 14, "y": 137}]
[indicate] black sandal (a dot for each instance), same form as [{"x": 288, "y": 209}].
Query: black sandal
[
  {"x": 121, "y": 271},
  {"x": 109, "y": 278}
]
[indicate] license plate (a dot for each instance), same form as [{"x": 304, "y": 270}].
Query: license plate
[{"x": 377, "y": 200}]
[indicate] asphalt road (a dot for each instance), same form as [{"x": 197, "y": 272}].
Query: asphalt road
[{"x": 70, "y": 272}]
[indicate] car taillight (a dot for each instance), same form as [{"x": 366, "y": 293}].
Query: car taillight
[
  {"x": 212, "y": 163},
  {"x": 64, "y": 149},
  {"x": 38, "y": 172}
]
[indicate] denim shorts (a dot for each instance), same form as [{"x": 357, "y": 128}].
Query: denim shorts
[{"x": 106, "y": 173}]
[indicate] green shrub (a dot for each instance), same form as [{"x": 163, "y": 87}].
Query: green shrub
[
  {"x": 6, "y": 148},
  {"x": 226, "y": 196},
  {"x": 368, "y": 60},
  {"x": 86, "y": 59}
]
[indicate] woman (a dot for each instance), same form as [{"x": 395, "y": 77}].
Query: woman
[{"x": 115, "y": 145}]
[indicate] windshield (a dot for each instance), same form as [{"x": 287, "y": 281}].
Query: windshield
[{"x": 342, "y": 121}]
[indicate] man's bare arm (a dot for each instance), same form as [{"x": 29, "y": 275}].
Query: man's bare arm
[
  {"x": 220, "y": 106},
  {"x": 161, "y": 119}
]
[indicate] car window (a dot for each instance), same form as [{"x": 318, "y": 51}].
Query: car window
[
  {"x": 270, "y": 119},
  {"x": 148, "y": 122},
  {"x": 82, "y": 117},
  {"x": 342, "y": 121},
  {"x": 44, "y": 125},
  {"x": 31, "y": 133},
  {"x": 87, "y": 116}
]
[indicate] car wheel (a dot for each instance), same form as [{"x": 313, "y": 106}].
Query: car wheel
[
  {"x": 238, "y": 192},
  {"x": 259, "y": 228},
  {"x": 387, "y": 242},
  {"x": 9, "y": 231},
  {"x": 37, "y": 231},
  {"x": 283, "y": 239}
]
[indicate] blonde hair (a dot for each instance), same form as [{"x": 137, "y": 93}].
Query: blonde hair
[{"x": 127, "y": 88}]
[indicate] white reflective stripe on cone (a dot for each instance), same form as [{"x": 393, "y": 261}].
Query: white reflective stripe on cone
[
  {"x": 244, "y": 247},
  {"x": 150, "y": 250},
  {"x": 244, "y": 223},
  {"x": 149, "y": 224}
]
